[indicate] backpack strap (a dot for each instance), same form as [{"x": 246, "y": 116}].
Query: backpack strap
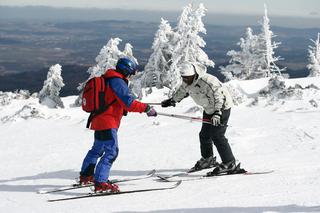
[{"x": 104, "y": 108}]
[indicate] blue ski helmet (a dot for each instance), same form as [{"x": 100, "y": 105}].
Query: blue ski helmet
[{"x": 126, "y": 66}]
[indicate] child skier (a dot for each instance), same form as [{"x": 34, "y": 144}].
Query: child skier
[{"x": 106, "y": 126}]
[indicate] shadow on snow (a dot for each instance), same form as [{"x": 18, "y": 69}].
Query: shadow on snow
[{"x": 10, "y": 186}]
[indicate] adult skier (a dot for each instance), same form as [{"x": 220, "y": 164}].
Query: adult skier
[
  {"x": 106, "y": 124},
  {"x": 207, "y": 91}
]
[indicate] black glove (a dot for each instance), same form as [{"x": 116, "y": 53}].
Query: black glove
[{"x": 168, "y": 102}]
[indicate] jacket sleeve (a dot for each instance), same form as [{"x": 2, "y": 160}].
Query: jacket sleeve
[
  {"x": 180, "y": 94},
  {"x": 123, "y": 96},
  {"x": 218, "y": 97}
]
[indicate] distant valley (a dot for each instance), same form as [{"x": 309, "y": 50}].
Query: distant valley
[{"x": 29, "y": 48}]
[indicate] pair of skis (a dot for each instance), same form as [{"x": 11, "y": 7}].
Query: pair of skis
[
  {"x": 77, "y": 186},
  {"x": 165, "y": 178}
]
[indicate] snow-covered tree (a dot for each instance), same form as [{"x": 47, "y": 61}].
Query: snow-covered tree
[
  {"x": 128, "y": 52},
  {"x": 156, "y": 71},
  {"x": 171, "y": 48},
  {"x": 267, "y": 46},
  {"x": 256, "y": 58},
  {"x": 314, "y": 58},
  {"x": 107, "y": 59},
  {"x": 244, "y": 62},
  {"x": 190, "y": 43},
  {"x": 49, "y": 94}
]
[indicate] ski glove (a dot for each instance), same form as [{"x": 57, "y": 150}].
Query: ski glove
[
  {"x": 168, "y": 102},
  {"x": 151, "y": 112},
  {"x": 216, "y": 118}
]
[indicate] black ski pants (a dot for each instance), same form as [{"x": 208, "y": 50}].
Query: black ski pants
[{"x": 216, "y": 134}]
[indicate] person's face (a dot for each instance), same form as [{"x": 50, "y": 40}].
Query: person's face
[
  {"x": 188, "y": 79},
  {"x": 129, "y": 77}
]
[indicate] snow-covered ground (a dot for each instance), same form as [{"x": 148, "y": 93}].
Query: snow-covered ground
[{"x": 43, "y": 148}]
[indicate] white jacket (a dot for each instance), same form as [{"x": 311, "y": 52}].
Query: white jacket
[{"x": 207, "y": 91}]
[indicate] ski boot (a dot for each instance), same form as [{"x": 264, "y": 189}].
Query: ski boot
[
  {"x": 85, "y": 180},
  {"x": 228, "y": 168},
  {"x": 204, "y": 163},
  {"x": 101, "y": 187}
]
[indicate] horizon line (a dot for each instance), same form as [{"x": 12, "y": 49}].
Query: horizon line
[{"x": 270, "y": 14}]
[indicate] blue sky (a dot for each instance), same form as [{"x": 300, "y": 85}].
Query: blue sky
[{"x": 306, "y": 8}]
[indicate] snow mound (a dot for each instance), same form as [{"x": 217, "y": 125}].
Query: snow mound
[
  {"x": 7, "y": 97},
  {"x": 279, "y": 92},
  {"x": 20, "y": 105},
  {"x": 26, "y": 112}
]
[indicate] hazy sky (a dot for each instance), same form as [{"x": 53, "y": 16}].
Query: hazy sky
[{"x": 309, "y": 8}]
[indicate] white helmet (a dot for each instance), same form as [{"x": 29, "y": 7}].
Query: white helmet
[{"x": 187, "y": 69}]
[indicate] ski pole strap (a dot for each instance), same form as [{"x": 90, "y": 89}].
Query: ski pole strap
[{"x": 89, "y": 120}]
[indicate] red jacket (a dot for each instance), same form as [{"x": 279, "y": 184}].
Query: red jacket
[{"x": 118, "y": 90}]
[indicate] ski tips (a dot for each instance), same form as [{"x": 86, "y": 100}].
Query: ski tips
[
  {"x": 166, "y": 177},
  {"x": 259, "y": 173},
  {"x": 178, "y": 183},
  {"x": 152, "y": 172},
  {"x": 161, "y": 177}
]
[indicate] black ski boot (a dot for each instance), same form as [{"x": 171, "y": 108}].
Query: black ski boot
[
  {"x": 204, "y": 163},
  {"x": 228, "y": 168}
]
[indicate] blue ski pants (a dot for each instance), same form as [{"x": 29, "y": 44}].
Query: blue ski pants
[{"x": 105, "y": 149}]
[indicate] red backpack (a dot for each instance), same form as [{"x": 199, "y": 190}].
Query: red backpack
[{"x": 93, "y": 97}]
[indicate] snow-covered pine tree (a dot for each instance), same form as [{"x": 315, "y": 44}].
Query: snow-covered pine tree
[
  {"x": 244, "y": 62},
  {"x": 314, "y": 58},
  {"x": 107, "y": 58},
  {"x": 269, "y": 67},
  {"x": 49, "y": 94},
  {"x": 156, "y": 71},
  {"x": 256, "y": 58},
  {"x": 190, "y": 44},
  {"x": 127, "y": 52},
  {"x": 109, "y": 55}
]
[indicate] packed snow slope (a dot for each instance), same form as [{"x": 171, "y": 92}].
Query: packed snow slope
[{"x": 271, "y": 128}]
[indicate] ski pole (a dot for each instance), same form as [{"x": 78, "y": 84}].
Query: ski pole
[
  {"x": 203, "y": 120},
  {"x": 154, "y": 103},
  {"x": 207, "y": 121}
]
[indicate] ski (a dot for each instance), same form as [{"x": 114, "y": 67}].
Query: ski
[
  {"x": 191, "y": 178},
  {"x": 79, "y": 186},
  {"x": 180, "y": 174},
  {"x": 117, "y": 193},
  {"x": 186, "y": 173}
]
